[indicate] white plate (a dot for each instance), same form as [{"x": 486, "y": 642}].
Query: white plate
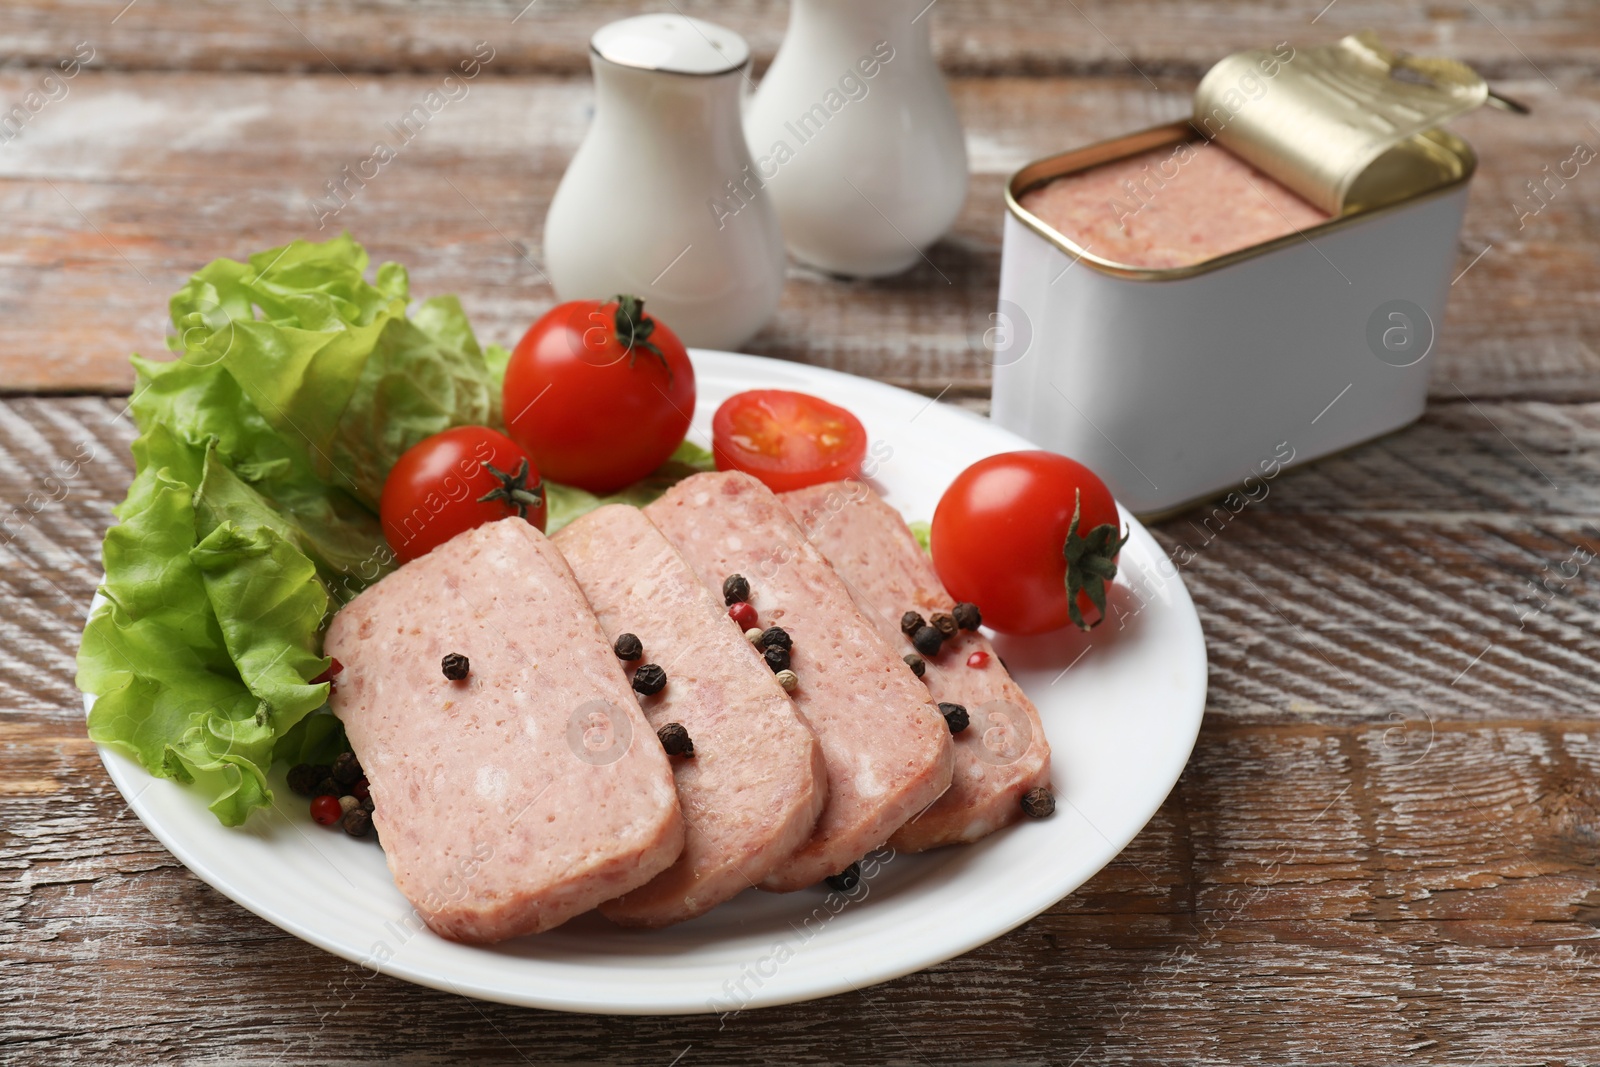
[{"x": 1121, "y": 707}]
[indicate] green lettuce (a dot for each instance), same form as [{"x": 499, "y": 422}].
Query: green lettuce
[{"x": 250, "y": 518}]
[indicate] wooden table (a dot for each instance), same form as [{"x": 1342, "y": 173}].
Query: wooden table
[{"x": 1384, "y": 848}]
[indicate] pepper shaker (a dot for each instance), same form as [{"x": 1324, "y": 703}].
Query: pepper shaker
[
  {"x": 644, "y": 206},
  {"x": 856, "y": 137}
]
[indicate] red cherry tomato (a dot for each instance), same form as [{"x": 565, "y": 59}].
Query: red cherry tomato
[
  {"x": 1004, "y": 532},
  {"x": 599, "y": 394},
  {"x": 788, "y": 440},
  {"x": 453, "y": 481}
]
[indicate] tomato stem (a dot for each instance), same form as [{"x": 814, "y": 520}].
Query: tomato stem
[
  {"x": 1091, "y": 563},
  {"x": 634, "y": 328},
  {"x": 514, "y": 489}
]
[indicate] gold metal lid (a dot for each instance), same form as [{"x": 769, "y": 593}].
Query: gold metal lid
[{"x": 1339, "y": 124}]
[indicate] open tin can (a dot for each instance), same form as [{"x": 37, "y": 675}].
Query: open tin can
[{"x": 1179, "y": 383}]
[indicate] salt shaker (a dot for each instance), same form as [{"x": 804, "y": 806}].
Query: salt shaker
[
  {"x": 856, "y": 138},
  {"x": 660, "y": 200}
]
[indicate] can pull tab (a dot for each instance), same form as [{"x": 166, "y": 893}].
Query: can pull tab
[{"x": 1344, "y": 125}]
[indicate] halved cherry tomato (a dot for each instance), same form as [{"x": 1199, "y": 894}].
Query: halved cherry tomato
[
  {"x": 788, "y": 440},
  {"x": 1031, "y": 538},
  {"x": 448, "y": 483},
  {"x": 599, "y": 393}
]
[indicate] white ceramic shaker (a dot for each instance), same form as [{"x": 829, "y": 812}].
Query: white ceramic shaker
[
  {"x": 637, "y": 210},
  {"x": 856, "y": 137}
]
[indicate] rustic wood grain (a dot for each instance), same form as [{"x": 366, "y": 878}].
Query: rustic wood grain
[
  {"x": 113, "y": 195},
  {"x": 1554, "y": 38},
  {"x": 1385, "y": 847},
  {"x": 1362, "y": 860},
  {"x": 1309, "y": 894}
]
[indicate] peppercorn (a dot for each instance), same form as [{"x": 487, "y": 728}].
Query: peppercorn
[
  {"x": 1038, "y": 803},
  {"x": 928, "y": 641},
  {"x": 753, "y": 635},
  {"x": 789, "y": 680},
  {"x": 357, "y": 822},
  {"x": 918, "y": 665},
  {"x": 978, "y": 659},
  {"x": 649, "y": 679},
  {"x": 628, "y": 647},
  {"x": 846, "y": 879},
  {"x": 362, "y": 790},
  {"x": 326, "y": 810},
  {"x": 776, "y": 637},
  {"x": 911, "y": 622},
  {"x": 967, "y": 615},
  {"x": 675, "y": 739},
  {"x": 744, "y": 614},
  {"x": 305, "y": 777},
  {"x": 348, "y": 803},
  {"x": 945, "y": 624},
  {"x": 777, "y": 658},
  {"x": 734, "y": 589},
  {"x": 955, "y": 715},
  {"x": 328, "y": 786},
  {"x": 367, "y": 805},
  {"x": 346, "y": 769},
  {"x": 455, "y": 666}
]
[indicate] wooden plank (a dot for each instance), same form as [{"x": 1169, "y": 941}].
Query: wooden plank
[
  {"x": 1308, "y": 894},
  {"x": 110, "y": 197},
  {"x": 987, "y": 37},
  {"x": 1427, "y": 577}
]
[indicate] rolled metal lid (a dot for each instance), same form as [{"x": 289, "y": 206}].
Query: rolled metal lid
[{"x": 1343, "y": 124}]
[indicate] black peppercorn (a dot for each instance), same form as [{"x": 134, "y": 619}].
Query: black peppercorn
[
  {"x": 1038, "y": 803},
  {"x": 455, "y": 666},
  {"x": 346, "y": 769},
  {"x": 649, "y": 679},
  {"x": 777, "y": 658},
  {"x": 955, "y": 715},
  {"x": 327, "y": 787},
  {"x": 628, "y": 647},
  {"x": 928, "y": 641},
  {"x": 303, "y": 777},
  {"x": 776, "y": 637},
  {"x": 918, "y": 665},
  {"x": 967, "y": 615},
  {"x": 846, "y": 879},
  {"x": 945, "y": 624},
  {"x": 675, "y": 739},
  {"x": 357, "y": 822},
  {"x": 734, "y": 589},
  {"x": 911, "y": 622}
]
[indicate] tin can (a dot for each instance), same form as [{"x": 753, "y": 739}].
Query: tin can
[{"x": 1178, "y": 384}]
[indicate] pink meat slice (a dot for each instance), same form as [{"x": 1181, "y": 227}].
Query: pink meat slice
[
  {"x": 532, "y": 790},
  {"x": 888, "y": 751},
  {"x": 753, "y": 790},
  {"x": 1003, "y": 753}
]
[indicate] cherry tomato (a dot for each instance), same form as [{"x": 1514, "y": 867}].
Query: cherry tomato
[
  {"x": 453, "y": 481},
  {"x": 1030, "y": 537},
  {"x": 599, "y": 393},
  {"x": 788, "y": 440}
]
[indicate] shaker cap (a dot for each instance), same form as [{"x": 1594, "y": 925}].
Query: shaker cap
[
  {"x": 672, "y": 44},
  {"x": 1346, "y": 125}
]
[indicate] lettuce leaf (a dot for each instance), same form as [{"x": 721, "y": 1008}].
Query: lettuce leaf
[{"x": 250, "y": 518}]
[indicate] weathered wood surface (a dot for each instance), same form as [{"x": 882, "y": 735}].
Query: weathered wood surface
[
  {"x": 1505, "y": 38},
  {"x": 114, "y": 194},
  {"x": 1385, "y": 848},
  {"x": 1376, "y": 853}
]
